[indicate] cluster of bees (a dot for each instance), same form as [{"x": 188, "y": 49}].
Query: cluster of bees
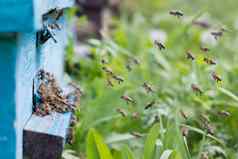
[
  {"x": 49, "y": 97},
  {"x": 149, "y": 88}
]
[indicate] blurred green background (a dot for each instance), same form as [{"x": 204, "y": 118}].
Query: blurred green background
[{"x": 131, "y": 36}]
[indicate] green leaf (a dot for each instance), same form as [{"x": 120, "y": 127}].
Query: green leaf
[
  {"x": 166, "y": 154},
  {"x": 150, "y": 142},
  {"x": 102, "y": 148},
  {"x": 91, "y": 149},
  {"x": 127, "y": 153}
]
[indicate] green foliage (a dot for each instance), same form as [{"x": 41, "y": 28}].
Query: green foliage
[{"x": 170, "y": 74}]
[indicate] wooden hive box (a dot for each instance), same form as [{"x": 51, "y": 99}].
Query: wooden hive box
[{"x": 20, "y": 59}]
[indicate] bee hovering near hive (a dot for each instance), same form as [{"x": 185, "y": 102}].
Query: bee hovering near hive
[
  {"x": 147, "y": 87},
  {"x": 216, "y": 77},
  {"x": 209, "y": 61},
  {"x": 176, "y": 13},
  {"x": 196, "y": 89},
  {"x": 128, "y": 99},
  {"x": 159, "y": 45},
  {"x": 190, "y": 55},
  {"x": 150, "y": 104}
]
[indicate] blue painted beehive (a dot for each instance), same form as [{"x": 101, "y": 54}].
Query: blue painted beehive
[{"x": 20, "y": 59}]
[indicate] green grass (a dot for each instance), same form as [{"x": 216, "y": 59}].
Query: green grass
[{"x": 170, "y": 74}]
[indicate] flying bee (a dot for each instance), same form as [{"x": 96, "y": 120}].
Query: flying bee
[
  {"x": 224, "y": 113},
  {"x": 183, "y": 115},
  {"x": 190, "y": 55},
  {"x": 104, "y": 61},
  {"x": 128, "y": 99},
  {"x": 128, "y": 67},
  {"x": 150, "y": 104},
  {"x": 109, "y": 83},
  {"x": 122, "y": 112},
  {"x": 210, "y": 129},
  {"x": 147, "y": 87},
  {"x": 184, "y": 131},
  {"x": 195, "y": 88},
  {"x": 44, "y": 35},
  {"x": 204, "y": 49},
  {"x": 209, "y": 61},
  {"x": 217, "y": 34},
  {"x": 107, "y": 70},
  {"x": 136, "y": 61},
  {"x": 136, "y": 115},
  {"x": 159, "y": 45},
  {"x": 119, "y": 79},
  {"x": 177, "y": 14},
  {"x": 216, "y": 77},
  {"x": 202, "y": 24},
  {"x": 136, "y": 134},
  {"x": 204, "y": 155}
]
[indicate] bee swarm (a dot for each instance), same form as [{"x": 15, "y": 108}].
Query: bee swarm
[{"x": 49, "y": 97}]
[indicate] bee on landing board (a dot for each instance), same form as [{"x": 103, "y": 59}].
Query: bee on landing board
[
  {"x": 128, "y": 99},
  {"x": 159, "y": 45},
  {"x": 176, "y": 13},
  {"x": 196, "y": 89}
]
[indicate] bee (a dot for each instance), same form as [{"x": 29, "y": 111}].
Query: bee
[
  {"x": 128, "y": 99},
  {"x": 147, "y": 87},
  {"x": 44, "y": 35},
  {"x": 135, "y": 115},
  {"x": 204, "y": 49},
  {"x": 104, "y": 61},
  {"x": 177, "y": 14},
  {"x": 202, "y": 24},
  {"x": 54, "y": 14},
  {"x": 150, "y": 104},
  {"x": 128, "y": 67},
  {"x": 136, "y": 61},
  {"x": 119, "y": 79},
  {"x": 184, "y": 131},
  {"x": 216, "y": 77},
  {"x": 204, "y": 155},
  {"x": 159, "y": 45},
  {"x": 190, "y": 55},
  {"x": 183, "y": 115},
  {"x": 195, "y": 88},
  {"x": 217, "y": 34},
  {"x": 122, "y": 112},
  {"x": 136, "y": 134},
  {"x": 107, "y": 70},
  {"x": 224, "y": 113},
  {"x": 210, "y": 129},
  {"x": 209, "y": 61},
  {"x": 54, "y": 26},
  {"x": 109, "y": 83}
]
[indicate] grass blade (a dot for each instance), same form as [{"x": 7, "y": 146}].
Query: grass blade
[
  {"x": 166, "y": 154},
  {"x": 150, "y": 142}
]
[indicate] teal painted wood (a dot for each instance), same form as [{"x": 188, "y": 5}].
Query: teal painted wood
[
  {"x": 8, "y": 48},
  {"x": 25, "y": 15},
  {"x": 18, "y": 66}
]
